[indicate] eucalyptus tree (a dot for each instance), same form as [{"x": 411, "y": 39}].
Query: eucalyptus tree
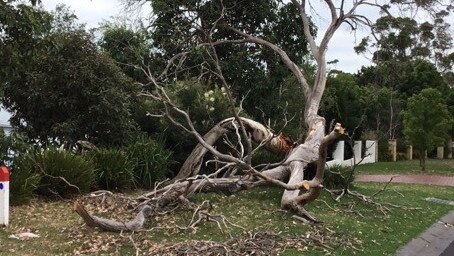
[
  {"x": 396, "y": 41},
  {"x": 238, "y": 173}
]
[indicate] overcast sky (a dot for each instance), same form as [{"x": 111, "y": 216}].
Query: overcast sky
[{"x": 92, "y": 12}]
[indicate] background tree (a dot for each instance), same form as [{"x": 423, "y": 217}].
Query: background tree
[
  {"x": 252, "y": 70},
  {"x": 58, "y": 86},
  {"x": 407, "y": 78},
  {"x": 405, "y": 38},
  {"x": 426, "y": 121},
  {"x": 130, "y": 49}
]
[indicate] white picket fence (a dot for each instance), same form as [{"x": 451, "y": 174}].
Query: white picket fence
[{"x": 370, "y": 155}]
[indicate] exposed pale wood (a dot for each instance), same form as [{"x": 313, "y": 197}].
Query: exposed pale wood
[
  {"x": 111, "y": 225},
  {"x": 259, "y": 134}
]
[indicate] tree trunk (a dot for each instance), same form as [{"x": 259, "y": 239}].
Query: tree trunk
[
  {"x": 291, "y": 170},
  {"x": 258, "y": 132}
]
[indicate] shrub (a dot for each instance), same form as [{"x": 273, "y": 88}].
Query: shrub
[
  {"x": 337, "y": 176},
  {"x": 264, "y": 157},
  {"x": 62, "y": 172},
  {"x": 113, "y": 169},
  {"x": 383, "y": 151},
  {"x": 24, "y": 181},
  {"x": 152, "y": 160}
]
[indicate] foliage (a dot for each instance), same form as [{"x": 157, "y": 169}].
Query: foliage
[
  {"x": 427, "y": 120},
  {"x": 265, "y": 157},
  {"x": 401, "y": 39},
  {"x": 57, "y": 84},
  {"x": 279, "y": 107},
  {"x": 252, "y": 71},
  {"x": 337, "y": 177},
  {"x": 152, "y": 160},
  {"x": 4, "y": 148},
  {"x": 360, "y": 107},
  {"x": 128, "y": 48},
  {"x": 407, "y": 78},
  {"x": 344, "y": 101},
  {"x": 206, "y": 106},
  {"x": 113, "y": 168},
  {"x": 62, "y": 172},
  {"x": 450, "y": 103},
  {"x": 23, "y": 180},
  {"x": 383, "y": 150}
]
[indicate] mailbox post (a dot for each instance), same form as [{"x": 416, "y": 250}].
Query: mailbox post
[{"x": 4, "y": 196}]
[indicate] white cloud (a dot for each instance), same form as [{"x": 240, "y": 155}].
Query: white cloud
[{"x": 91, "y": 12}]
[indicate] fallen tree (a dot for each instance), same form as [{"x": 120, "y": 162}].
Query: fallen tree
[{"x": 235, "y": 171}]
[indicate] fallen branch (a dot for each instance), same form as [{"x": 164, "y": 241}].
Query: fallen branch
[{"x": 111, "y": 225}]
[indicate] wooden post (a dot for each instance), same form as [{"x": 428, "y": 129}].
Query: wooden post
[
  {"x": 440, "y": 152},
  {"x": 410, "y": 152},
  {"x": 449, "y": 148}
]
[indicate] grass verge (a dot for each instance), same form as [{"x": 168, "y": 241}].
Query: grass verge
[
  {"x": 350, "y": 227},
  {"x": 434, "y": 167}
]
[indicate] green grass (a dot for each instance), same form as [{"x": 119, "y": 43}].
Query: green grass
[
  {"x": 434, "y": 166},
  {"x": 62, "y": 232}
]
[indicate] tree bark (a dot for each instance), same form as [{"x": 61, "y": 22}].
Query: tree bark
[
  {"x": 258, "y": 132},
  {"x": 111, "y": 225}
]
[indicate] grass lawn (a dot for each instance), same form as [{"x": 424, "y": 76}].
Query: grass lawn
[
  {"x": 350, "y": 227},
  {"x": 434, "y": 166}
]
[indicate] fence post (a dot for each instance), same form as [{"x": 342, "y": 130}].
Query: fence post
[
  {"x": 357, "y": 150},
  {"x": 4, "y": 196},
  {"x": 372, "y": 150},
  {"x": 338, "y": 154},
  {"x": 410, "y": 152},
  {"x": 440, "y": 152}
]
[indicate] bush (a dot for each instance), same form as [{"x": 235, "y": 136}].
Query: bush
[
  {"x": 113, "y": 169},
  {"x": 264, "y": 157},
  {"x": 23, "y": 182},
  {"x": 383, "y": 151},
  {"x": 62, "y": 172},
  {"x": 336, "y": 177},
  {"x": 152, "y": 160}
]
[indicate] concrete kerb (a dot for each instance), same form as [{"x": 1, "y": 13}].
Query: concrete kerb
[{"x": 434, "y": 241}]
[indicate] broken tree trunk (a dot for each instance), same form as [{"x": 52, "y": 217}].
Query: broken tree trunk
[
  {"x": 111, "y": 225},
  {"x": 258, "y": 132},
  {"x": 288, "y": 175}
]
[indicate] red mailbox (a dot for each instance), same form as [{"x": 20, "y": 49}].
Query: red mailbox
[
  {"x": 4, "y": 196},
  {"x": 4, "y": 174}
]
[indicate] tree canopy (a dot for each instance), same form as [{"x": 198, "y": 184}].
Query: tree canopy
[
  {"x": 57, "y": 85},
  {"x": 427, "y": 121}
]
